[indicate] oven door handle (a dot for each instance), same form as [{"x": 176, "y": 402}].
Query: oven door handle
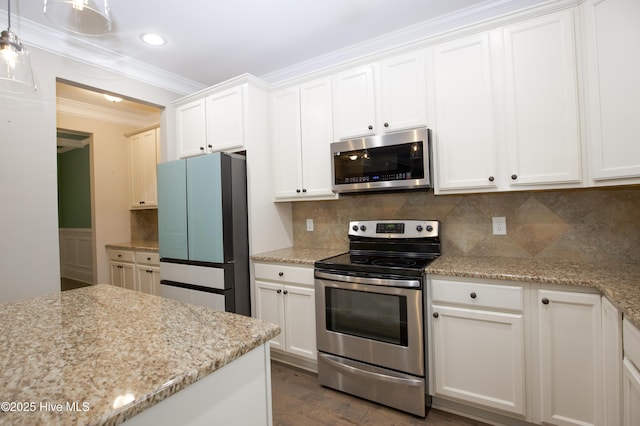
[
  {"x": 333, "y": 361},
  {"x": 367, "y": 280}
]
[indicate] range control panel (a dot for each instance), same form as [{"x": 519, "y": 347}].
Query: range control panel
[{"x": 395, "y": 228}]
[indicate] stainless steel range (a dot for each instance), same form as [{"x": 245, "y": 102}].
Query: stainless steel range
[{"x": 370, "y": 313}]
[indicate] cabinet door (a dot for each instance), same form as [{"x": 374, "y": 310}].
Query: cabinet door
[
  {"x": 123, "y": 275},
  {"x": 143, "y": 161},
  {"x": 172, "y": 210},
  {"x": 269, "y": 307},
  {"x": 300, "y": 321},
  {"x": 630, "y": 394},
  {"x": 316, "y": 122},
  {"x": 479, "y": 357},
  {"x": 570, "y": 367},
  {"x": 116, "y": 274},
  {"x": 285, "y": 119},
  {"x": 149, "y": 164},
  {"x": 611, "y": 356},
  {"x": 148, "y": 279},
  {"x": 136, "y": 171},
  {"x": 404, "y": 93},
  {"x": 354, "y": 112},
  {"x": 613, "y": 66},
  {"x": 191, "y": 125},
  {"x": 204, "y": 208},
  {"x": 462, "y": 86},
  {"x": 225, "y": 119},
  {"x": 542, "y": 128}
]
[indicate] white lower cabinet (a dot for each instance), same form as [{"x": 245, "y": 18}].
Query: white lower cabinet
[
  {"x": 478, "y": 344},
  {"x": 122, "y": 266},
  {"x": 529, "y": 352},
  {"x": 122, "y": 274},
  {"x": 135, "y": 270},
  {"x": 631, "y": 375},
  {"x": 567, "y": 351},
  {"x": 630, "y": 394},
  {"x": 285, "y": 295},
  {"x": 611, "y": 361}
]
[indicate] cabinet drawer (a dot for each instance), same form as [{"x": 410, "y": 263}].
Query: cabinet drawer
[
  {"x": 121, "y": 255},
  {"x": 148, "y": 258},
  {"x": 631, "y": 342},
  {"x": 477, "y": 294},
  {"x": 284, "y": 273}
]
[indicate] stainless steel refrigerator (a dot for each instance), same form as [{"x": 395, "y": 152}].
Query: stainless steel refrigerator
[{"x": 202, "y": 231}]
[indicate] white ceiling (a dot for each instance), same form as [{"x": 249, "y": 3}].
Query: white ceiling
[{"x": 210, "y": 41}]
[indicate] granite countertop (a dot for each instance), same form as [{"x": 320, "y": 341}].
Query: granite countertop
[
  {"x": 114, "y": 352},
  {"x": 135, "y": 245},
  {"x": 304, "y": 256},
  {"x": 619, "y": 282}
]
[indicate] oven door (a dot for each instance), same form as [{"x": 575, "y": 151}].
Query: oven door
[{"x": 372, "y": 323}]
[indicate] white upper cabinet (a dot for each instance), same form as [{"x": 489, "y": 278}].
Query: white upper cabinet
[
  {"x": 191, "y": 123},
  {"x": 505, "y": 108},
  {"x": 541, "y": 101},
  {"x": 225, "y": 119},
  {"x": 143, "y": 155},
  {"x": 287, "y": 158},
  {"x": 612, "y": 36},
  {"x": 221, "y": 118},
  {"x": 404, "y": 93},
  {"x": 463, "y": 113},
  {"x": 382, "y": 97},
  {"x": 316, "y": 121},
  {"x": 302, "y": 127},
  {"x": 354, "y": 108}
]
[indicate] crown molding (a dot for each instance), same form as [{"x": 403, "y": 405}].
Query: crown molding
[
  {"x": 85, "y": 110},
  {"x": 421, "y": 32},
  {"x": 35, "y": 35}
]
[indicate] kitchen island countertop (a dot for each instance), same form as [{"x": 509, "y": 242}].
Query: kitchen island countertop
[
  {"x": 106, "y": 354},
  {"x": 618, "y": 282}
]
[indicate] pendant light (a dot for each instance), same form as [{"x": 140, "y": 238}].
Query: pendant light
[
  {"x": 15, "y": 65},
  {"x": 88, "y": 17}
]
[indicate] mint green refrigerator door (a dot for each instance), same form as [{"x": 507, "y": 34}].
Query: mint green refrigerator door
[
  {"x": 172, "y": 210},
  {"x": 204, "y": 208}
]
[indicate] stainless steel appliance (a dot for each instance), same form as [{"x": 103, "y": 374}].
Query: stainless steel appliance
[
  {"x": 370, "y": 312},
  {"x": 385, "y": 162},
  {"x": 203, "y": 234}
]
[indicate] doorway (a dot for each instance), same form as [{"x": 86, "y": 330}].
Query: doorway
[
  {"x": 95, "y": 128},
  {"x": 74, "y": 209}
]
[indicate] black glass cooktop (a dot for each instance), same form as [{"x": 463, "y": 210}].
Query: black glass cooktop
[{"x": 408, "y": 265}]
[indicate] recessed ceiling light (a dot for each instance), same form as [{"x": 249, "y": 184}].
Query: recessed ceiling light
[{"x": 153, "y": 39}]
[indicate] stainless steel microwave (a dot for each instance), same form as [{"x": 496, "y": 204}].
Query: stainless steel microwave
[{"x": 393, "y": 161}]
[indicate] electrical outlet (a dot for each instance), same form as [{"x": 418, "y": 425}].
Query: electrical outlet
[
  {"x": 499, "y": 226},
  {"x": 309, "y": 225}
]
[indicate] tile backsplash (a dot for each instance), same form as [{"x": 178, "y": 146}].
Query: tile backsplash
[
  {"x": 585, "y": 224},
  {"x": 144, "y": 225}
]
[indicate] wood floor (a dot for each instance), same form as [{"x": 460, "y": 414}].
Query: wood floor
[{"x": 298, "y": 399}]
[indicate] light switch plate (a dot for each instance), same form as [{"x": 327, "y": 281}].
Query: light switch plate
[
  {"x": 309, "y": 225},
  {"x": 499, "y": 226}
]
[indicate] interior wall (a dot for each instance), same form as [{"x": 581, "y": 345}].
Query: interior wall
[
  {"x": 74, "y": 188},
  {"x": 28, "y": 191}
]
